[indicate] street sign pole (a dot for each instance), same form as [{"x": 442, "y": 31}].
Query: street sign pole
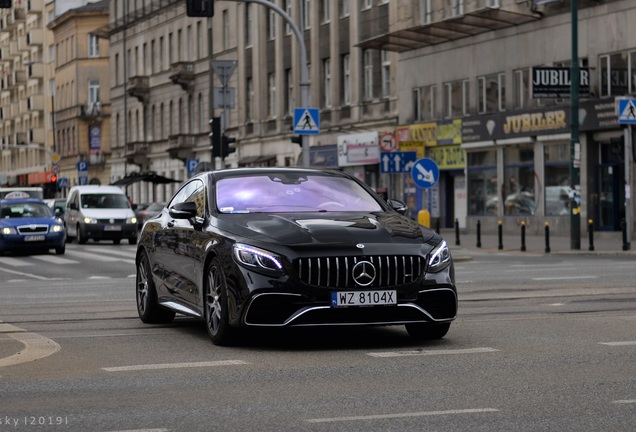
[
  {"x": 629, "y": 210},
  {"x": 575, "y": 146}
]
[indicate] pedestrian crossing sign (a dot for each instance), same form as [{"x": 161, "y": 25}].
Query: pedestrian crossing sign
[
  {"x": 627, "y": 111},
  {"x": 306, "y": 121}
]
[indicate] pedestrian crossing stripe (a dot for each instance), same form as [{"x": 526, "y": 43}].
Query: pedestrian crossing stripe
[
  {"x": 306, "y": 121},
  {"x": 627, "y": 111}
]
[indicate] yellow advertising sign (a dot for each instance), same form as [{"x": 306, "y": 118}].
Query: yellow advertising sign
[
  {"x": 448, "y": 157},
  {"x": 425, "y": 132},
  {"x": 415, "y": 146}
]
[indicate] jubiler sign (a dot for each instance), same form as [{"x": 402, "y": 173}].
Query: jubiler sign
[{"x": 554, "y": 82}]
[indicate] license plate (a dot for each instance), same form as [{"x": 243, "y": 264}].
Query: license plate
[
  {"x": 34, "y": 238},
  {"x": 112, "y": 228},
  {"x": 363, "y": 298}
]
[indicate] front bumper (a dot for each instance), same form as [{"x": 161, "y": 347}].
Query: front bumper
[
  {"x": 102, "y": 231},
  {"x": 17, "y": 242}
]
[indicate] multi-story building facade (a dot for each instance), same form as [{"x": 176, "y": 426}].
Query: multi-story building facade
[
  {"x": 466, "y": 97},
  {"x": 161, "y": 99},
  {"x": 27, "y": 155},
  {"x": 82, "y": 94}
]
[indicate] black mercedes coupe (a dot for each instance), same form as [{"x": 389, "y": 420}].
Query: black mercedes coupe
[{"x": 282, "y": 247}]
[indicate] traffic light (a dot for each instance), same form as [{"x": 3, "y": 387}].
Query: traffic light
[
  {"x": 54, "y": 179},
  {"x": 216, "y": 136},
  {"x": 297, "y": 139},
  {"x": 5, "y": 4},
  {"x": 199, "y": 8},
  {"x": 228, "y": 145}
]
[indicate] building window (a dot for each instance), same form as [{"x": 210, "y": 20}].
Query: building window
[
  {"x": 325, "y": 7},
  {"x": 288, "y": 10},
  {"x": 557, "y": 179},
  {"x": 271, "y": 25},
  {"x": 519, "y": 180},
  {"x": 386, "y": 74},
  {"x": 201, "y": 116},
  {"x": 199, "y": 40},
  {"x": 289, "y": 89},
  {"x": 491, "y": 93},
  {"x": 482, "y": 183},
  {"x": 429, "y": 101},
  {"x": 307, "y": 14},
  {"x": 170, "y": 49},
  {"x": 144, "y": 59},
  {"x": 366, "y": 4},
  {"x": 346, "y": 76},
  {"x": 249, "y": 99},
  {"x": 368, "y": 74},
  {"x": 117, "y": 69},
  {"x": 454, "y": 99},
  {"x": 271, "y": 80},
  {"x": 161, "y": 56},
  {"x": 226, "y": 30},
  {"x": 521, "y": 88},
  {"x": 346, "y": 8},
  {"x": 425, "y": 10},
  {"x": 190, "y": 44},
  {"x": 153, "y": 56},
  {"x": 466, "y": 97},
  {"x": 616, "y": 73},
  {"x": 326, "y": 70},
  {"x": 180, "y": 53},
  {"x": 457, "y": 7},
  {"x": 162, "y": 122},
  {"x": 93, "y": 45},
  {"x": 417, "y": 103},
  {"x": 248, "y": 25},
  {"x": 93, "y": 91}
]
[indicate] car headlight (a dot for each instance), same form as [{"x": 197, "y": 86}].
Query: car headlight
[
  {"x": 439, "y": 258},
  {"x": 57, "y": 228},
  {"x": 131, "y": 220},
  {"x": 88, "y": 220},
  {"x": 8, "y": 231},
  {"x": 257, "y": 259}
]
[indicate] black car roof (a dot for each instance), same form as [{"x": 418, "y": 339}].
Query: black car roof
[
  {"x": 21, "y": 201},
  {"x": 232, "y": 172}
]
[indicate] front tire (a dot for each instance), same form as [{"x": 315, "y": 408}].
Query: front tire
[
  {"x": 132, "y": 240},
  {"x": 148, "y": 306},
  {"x": 216, "y": 305},
  {"x": 81, "y": 237},
  {"x": 427, "y": 331},
  {"x": 60, "y": 250}
]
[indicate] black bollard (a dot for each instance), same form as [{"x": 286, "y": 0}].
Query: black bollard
[
  {"x": 547, "y": 237},
  {"x": 624, "y": 228},
  {"x": 457, "y": 232},
  {"x": 590, "y": 233},
  {"x": 500, "y": 234},
  {"x": 523, "y": 236},
  {"x": 478, "y": 233}
]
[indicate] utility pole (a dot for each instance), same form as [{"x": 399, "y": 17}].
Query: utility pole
[{"x": 575, "y": 146}]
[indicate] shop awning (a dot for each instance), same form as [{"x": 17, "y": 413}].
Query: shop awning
[
  {"x": 151, "y": 177},
  {"x": 451, "y": 29}
]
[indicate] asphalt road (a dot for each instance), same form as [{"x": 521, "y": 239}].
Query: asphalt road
[{"x": 542, "y": 343}]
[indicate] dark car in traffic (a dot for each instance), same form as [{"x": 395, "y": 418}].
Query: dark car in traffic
[
  {"x": 28, "y": 225},
  {"x": 284, "y": 247}
]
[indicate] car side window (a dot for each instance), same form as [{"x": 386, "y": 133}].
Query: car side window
[{"x": 193, "y": 191}]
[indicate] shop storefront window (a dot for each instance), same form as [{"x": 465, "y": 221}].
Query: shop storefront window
[
  {"x": 482, "y": 183},
  {"x": 519, "y": 180},
  {"x": 557, "y": 175}
]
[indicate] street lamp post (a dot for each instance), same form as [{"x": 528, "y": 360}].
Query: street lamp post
[{"x": 575, "y": 146}]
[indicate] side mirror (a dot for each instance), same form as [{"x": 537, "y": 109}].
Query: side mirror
[
  {"x": 134, "y": 206},
  {"x": 398, "y": 206},
  {"x": 184, "y": 210},
  {"x": 72, "y": 206}
]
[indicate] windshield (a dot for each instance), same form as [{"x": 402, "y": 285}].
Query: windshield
[
  {"x": 25, "y": 210},
  {"x": 104, "y": 200},
  {"x": 285, "y": 193}
]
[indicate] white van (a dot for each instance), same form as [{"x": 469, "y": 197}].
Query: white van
[{"x": 99, "y": 213}]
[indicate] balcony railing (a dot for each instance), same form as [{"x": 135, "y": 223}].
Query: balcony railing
[
  {"x": 35, "y": 7},
  {"x": 138, "y": 86},
  {"x": 35, "y": 36},
  {"x": 137, "y": 153},
  {"x": 182, "y": 73},
  {"x": 181, "y": 146}
]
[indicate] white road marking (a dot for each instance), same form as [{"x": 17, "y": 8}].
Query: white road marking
[
  {"x": 625, "y": 343},
  {"x": 557, "y": 304},
  {"x": 633, "y": 401},
  {"x": 431, "y": 352},
  {"x": 564, "y": 278},
  {"x": 53, "y": 259},
  {"x": 35, "y": 346},
  {"x": 14, "y": 262},
  {"x": 402, "y": 415},
  {"x": 96, "y": 257},
  {"x": 143, "y": 430},
  {"x": 175, "y": 365},
  {"x": 24, "y": 274},
  {"x": 100, "y": 250}
]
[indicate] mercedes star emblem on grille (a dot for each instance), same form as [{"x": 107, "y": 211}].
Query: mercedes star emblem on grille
[{"x": 363, "y": 273}]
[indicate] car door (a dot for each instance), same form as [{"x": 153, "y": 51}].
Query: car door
[
  {"x": 175, "y": 248},
  {"x": 71, "y": 214}
]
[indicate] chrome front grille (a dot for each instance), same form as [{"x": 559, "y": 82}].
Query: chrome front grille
[
  {"x": 336, "y": 272},
  {"x": 33, "y": 229},
  {"x": 111, "y": 221}
]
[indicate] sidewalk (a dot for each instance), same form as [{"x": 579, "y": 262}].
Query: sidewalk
[{"x": 604, "y": 243}]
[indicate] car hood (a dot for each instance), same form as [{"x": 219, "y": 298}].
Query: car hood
[
  {"x": 108, "y": 213},
  {"x": 331, "y": 228}
]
